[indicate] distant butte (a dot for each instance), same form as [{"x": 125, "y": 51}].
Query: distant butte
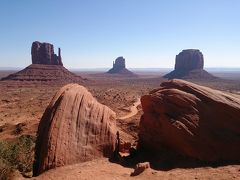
[
  {"x": 43, "y": 53},
  {"x": 46, "y": 66},
  {"x": 119, "y": 67},
  {"x": 189, "y": 65}
]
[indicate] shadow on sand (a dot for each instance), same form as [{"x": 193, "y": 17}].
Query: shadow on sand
[{"x": 165, "y": 161}]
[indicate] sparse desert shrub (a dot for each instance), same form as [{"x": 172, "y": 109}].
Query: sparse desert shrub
[
  {"x": 5, "y": 170},
  {"x": 19, "y": 128},
  {"x": 17, "y": 154}
]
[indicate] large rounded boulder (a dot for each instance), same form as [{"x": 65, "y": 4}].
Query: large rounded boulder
[
  {"x": 191, "y": 120},
  {"x": 74, "y": 128}
]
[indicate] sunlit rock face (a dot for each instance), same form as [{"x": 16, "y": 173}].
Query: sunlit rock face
[
  {"x": 191, "y": 120},
  {"x": 74, "y": 128},
  {"x": 43, "y": 53}
]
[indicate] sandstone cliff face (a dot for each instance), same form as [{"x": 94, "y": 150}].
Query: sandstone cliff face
[
  {"x": 74, "y": 128},
  {"x": 189, "y": 65},
  {"x": 119, "y": 67},
  {"x": 43, "y": 53},
  {"x": 189, "y": 59},
  {"x": 192, "y": 120}
]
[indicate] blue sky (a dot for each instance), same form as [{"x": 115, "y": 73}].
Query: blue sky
[{"x": 148, "y": 33}]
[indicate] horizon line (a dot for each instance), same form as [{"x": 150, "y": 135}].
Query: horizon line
[{"x": 75, "y": 68}]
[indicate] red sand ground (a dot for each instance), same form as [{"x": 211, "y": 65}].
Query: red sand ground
[{"x": 25, "y": 102}]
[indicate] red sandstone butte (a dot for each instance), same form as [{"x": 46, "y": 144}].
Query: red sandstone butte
[{"x": 189, "y": 65}]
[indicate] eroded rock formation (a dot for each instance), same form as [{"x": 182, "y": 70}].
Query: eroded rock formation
[
  {"x": 46, "y": 66},
  {"x": 43, "y": 53},
  {"x": 119, "y": 67},
  {"x": 74, "y": 128},
  {"x": 189, "y": 64},
  {"x": 192, "y": 120},
  {"x": 189, "y": 59}
]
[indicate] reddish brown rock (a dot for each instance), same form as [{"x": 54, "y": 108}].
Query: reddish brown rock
[
  {"x": 47, "y": 73},
  {"x": 124, "y": 147},
  {"x": 43, "y": 53},
  {"x": 189, "y": 65},
  {"x": 119, "y": 67},
  {"x": 59, "y": 57},
  {"x": 140, "y": 167},
  {"x": 46, "y": 66},
  {"x": 189, "y": 59},
  {"x": 74, "y": 128},
  {"x": 192, "y": 120}
]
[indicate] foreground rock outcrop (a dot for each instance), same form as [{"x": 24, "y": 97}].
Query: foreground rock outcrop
[
  {"x": 43, "y": 53},
  {"x": 189, "y": 65},
  {"x": 119, "y": 67},
  {"x": 191, "y": 120},
  {"x": 46, "y": 66},
  {"x": 74, "y": 128}
]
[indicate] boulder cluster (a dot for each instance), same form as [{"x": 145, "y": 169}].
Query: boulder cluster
[{"x": 181, "y": 117}]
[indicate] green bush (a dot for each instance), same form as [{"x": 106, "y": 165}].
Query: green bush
[{"x": 17, "y": 154}]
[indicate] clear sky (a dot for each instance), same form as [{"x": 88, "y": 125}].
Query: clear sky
[{"x": 148, "y": 33}]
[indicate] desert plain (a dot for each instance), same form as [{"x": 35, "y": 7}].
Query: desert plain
[{"x": 22, "y": 104}]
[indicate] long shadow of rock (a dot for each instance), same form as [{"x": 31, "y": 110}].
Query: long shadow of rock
[{"x": 165, "y": 160}]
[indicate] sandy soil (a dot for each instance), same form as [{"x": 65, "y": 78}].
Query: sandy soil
[
  {"x": 25, "y": 102},
  {"x": 133, "y": 110},
  {"x": 102, "y": 169}
]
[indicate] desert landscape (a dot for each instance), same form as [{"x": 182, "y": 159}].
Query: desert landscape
[
  {"x": 23, "y": 102},
  {"x": 95, "y": 90}
]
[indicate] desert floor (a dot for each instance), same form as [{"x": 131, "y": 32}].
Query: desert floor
[{"x": 23, "y": 103}]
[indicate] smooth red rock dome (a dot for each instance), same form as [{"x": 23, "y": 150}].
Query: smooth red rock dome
[
  {"x": 74, "y": 128},
  {"x": 192, "y": 120}
]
